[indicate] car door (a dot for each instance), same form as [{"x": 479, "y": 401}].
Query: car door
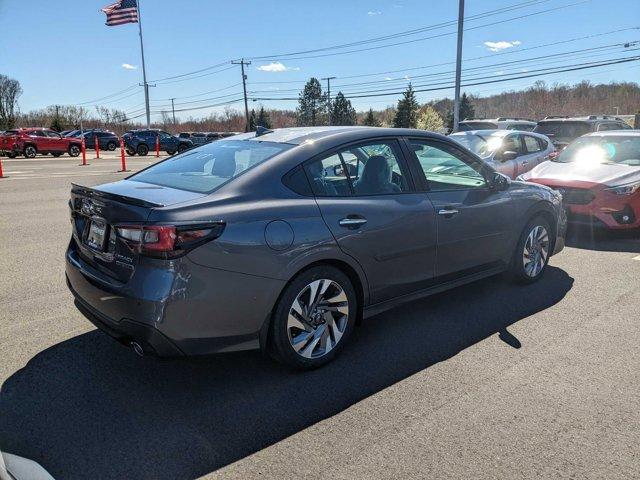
[
  {"x": 473, "y": 220},
  {"x": 40, "y": 139},
  {"x": 533, "y": 154},
  {"x": 56, "y": 143},
  {"x": 168, "y": 142},
  {"x": 368, "y": 202}
]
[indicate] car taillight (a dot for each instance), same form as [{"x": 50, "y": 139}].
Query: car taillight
[{"x": 168, "y": 241}]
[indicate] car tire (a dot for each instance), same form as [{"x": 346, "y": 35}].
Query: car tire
[
  {"x": 533, "y": 250},
  {"x": 30, "y": 151},
  {"x": 74, "y": 150},
  {"x": 307, "y": 333},
  {"x": 111, "y": 146},
  {"x": 131, "y": 152},
  {"x": 142, "y": 150},
  {"x": 182, "y": 147}
]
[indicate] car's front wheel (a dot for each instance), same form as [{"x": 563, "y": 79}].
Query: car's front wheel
[
  {"x": 74, "y": 150},
  {"x": 111, "y": 146},
  {"x": 314, "y": 318},
  {"x": 182, "y": 147},
  {"x": 533, "y": 251}
]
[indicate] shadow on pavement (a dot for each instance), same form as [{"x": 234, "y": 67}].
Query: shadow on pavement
[
  {"x": 583, "y": 237},
  {"x": 89, "y": 408}
]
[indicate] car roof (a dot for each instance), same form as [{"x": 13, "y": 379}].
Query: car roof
[
  {"x": 585, "y": 119},
  {"x": 497, "y": 133},
  {"x": 299, "y": 135},
  {"x": 614, "y": 133}
]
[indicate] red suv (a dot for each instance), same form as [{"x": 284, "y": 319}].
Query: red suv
[{"x": 31, "y": 141}]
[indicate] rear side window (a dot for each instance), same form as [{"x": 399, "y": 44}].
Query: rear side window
[
  {"x": 297, "y": 181},
  {"x": 365, "y": 169},
  {"x": 207, "y": 168},
  {"x": 566, "y": 131},
  {"x": 531, "y": 144}
]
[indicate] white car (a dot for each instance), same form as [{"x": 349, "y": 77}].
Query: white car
[
  {"x": 13, "y": 467},
  {"x": 510, "y": 152}
]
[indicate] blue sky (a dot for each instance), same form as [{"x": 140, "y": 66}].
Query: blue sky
[{"x": 62, "y": 53}]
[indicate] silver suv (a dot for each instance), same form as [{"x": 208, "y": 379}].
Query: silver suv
[{"x": 500, "y": 123}]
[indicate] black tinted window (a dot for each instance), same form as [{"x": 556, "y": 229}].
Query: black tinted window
[
  {"x": 563, "y": 131},
  {"x": 297, "y": 181}
]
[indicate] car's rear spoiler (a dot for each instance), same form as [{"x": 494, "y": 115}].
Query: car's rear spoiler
[{"x": 91, "y": 192}]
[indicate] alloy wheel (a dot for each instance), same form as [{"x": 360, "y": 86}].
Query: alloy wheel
[
  {"x": 30, "y": 152},
  {"x": 536, "y": 251},
  {"x": 318, "y": 318}
]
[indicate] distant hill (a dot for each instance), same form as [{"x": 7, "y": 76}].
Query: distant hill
[{"x": 542, "y": 100}]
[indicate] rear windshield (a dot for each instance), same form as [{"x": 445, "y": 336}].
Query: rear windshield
[
  {"x": 563, "y": 131},
  {"x": 205, "y": 168},
  {"x": 466, "y": 126},
  {"x": 622, "y": 150}
]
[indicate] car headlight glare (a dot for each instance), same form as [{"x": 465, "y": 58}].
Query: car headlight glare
[{"x": 628, "y": 189}]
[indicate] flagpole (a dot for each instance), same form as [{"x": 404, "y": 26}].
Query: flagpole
[{"x": 144, "y": 70}]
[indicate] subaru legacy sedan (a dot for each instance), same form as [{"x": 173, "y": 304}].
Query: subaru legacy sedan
[{"x": 285, "y": 239}]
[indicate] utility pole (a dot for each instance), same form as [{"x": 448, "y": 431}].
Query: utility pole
[
  {"x": 456, "y": 104},
  {"x": 242, "y": 63},
  {"x": 173, "y": 110},
  {"x": 144, "y": 70},
  {"x": 328, "y": 79}
]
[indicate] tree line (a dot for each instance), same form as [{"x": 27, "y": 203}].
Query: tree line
[{"x": 316, "y": 108}]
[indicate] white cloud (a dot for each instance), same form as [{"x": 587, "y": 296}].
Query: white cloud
[
  {"x": 497, "y": 46},
  {"x": 372, "y": 13},
  {"x": 276, "y": 67},
  {"x": 128, "y": 66}
]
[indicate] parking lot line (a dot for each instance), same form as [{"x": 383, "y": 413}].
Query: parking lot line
[{"x": 637, "y": 258}]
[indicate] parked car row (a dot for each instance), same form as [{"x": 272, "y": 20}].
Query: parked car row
[{"x": 202, "y": 138}]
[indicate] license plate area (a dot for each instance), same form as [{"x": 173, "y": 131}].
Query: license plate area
[{"x": 96, "y": 235}]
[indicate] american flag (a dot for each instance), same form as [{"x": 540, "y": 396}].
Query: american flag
[{"x": 119, "y": 13}]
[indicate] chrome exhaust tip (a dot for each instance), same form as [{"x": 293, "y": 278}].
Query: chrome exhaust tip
[{"x": 137, "y": 348}]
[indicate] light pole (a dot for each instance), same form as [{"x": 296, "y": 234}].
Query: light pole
[
  {"x": 456, "y": 104},
  {"x": 328, "y": 79}
]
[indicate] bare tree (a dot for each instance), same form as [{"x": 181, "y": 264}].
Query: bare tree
[{"x": 10, "y": 90}]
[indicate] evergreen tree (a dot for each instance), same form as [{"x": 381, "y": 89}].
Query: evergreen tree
[
  {"x": 430, "y": 119},
  {"x": 311, "y": 104},
  {"x": 407, "y": 112},
  {"x": 263, "y": 120},
  {"x": 56, "y": 124},
  {"x": 342, "y": 112},
  {"x": 466, "y": 111},
  {"x": 370, "y": 119},
  {"x": 252, "y": 121}
]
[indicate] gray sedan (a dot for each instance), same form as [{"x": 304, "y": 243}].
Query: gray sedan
[
  {"x": 284, "y": 240},
  {"x": 510, "y": 152}
]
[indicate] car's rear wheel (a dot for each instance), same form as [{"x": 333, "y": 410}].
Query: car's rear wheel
[
  {"x": 111, "y": 146},
  {"x": 30, "y": 151},
  {"x": 533, "y": 251},
  {"x": 74, "y": 150},
  {"x": 182, "y": 147},
  {"x": 142, "y": 150},
  {"x": 314, "y": 318}
]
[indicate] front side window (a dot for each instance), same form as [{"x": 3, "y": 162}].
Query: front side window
[
  {"x": 207, "y": 168},
  {"x": 444, "y": 167}
]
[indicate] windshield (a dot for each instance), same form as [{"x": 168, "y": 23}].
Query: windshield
[
  {"x": 483, "y": 146},
  {"x": 466, "y": 126},
  {"x": 623, "y": 150},
  {"x": 206, "y": 168},
  {"x": 563, "y": 131}
]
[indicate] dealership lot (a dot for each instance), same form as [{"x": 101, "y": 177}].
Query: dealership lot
[{"x": 490, "y": 380}]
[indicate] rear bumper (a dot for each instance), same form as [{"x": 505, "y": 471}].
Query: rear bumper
[{"x": 184, "y": 309}]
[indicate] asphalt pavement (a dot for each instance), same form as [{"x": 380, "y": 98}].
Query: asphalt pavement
[{"x": 490, "y": 380}]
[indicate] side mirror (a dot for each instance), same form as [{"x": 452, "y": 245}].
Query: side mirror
[
  {"x": 508, "y": 155},
  {"x": 498, "y": 182}
]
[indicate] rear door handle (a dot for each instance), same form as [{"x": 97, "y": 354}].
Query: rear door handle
[
  {"x": 352, "y": 222},
  {"x": 448, "y": 211}
]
